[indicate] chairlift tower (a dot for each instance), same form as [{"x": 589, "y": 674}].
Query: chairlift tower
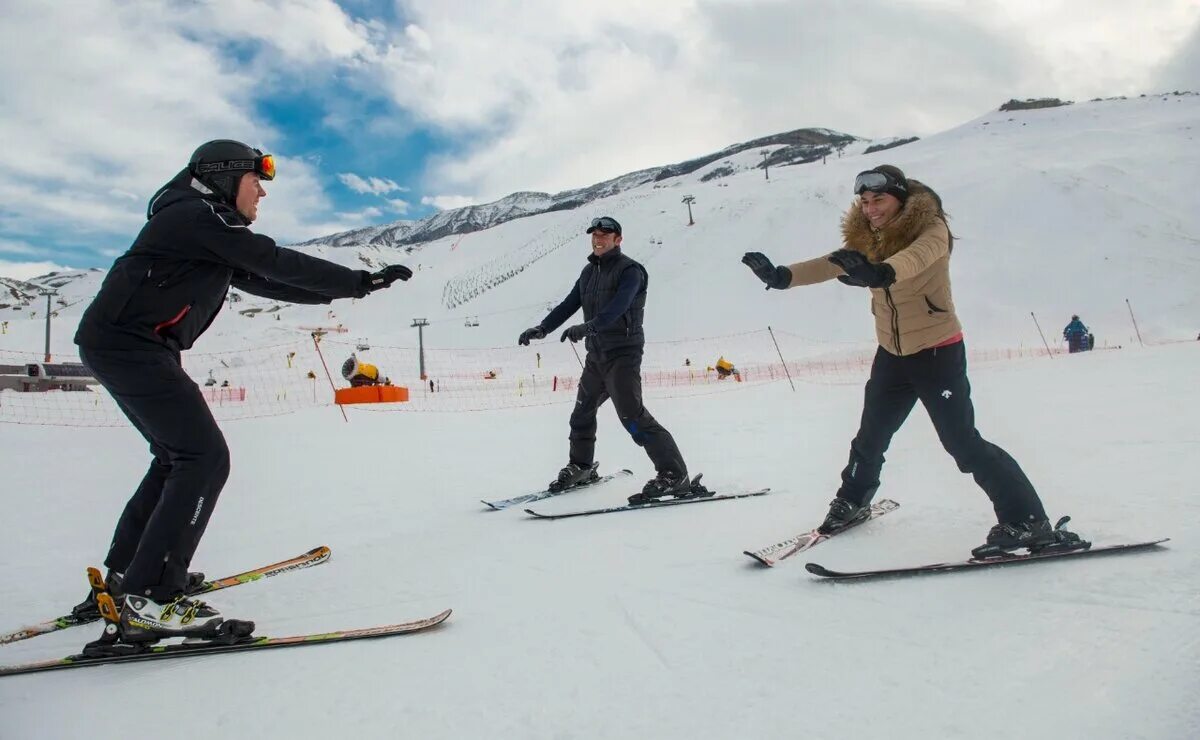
[
  {"x": 421, "y": 324},
  {"x": 49, "y": 294}
]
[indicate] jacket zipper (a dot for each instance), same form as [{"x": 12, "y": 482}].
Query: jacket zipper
[
  {"x": 158, "y": 328},
  {"x": 887, "y": 292}
]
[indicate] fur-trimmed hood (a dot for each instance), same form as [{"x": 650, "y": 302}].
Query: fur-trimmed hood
[{"x": 922, "y": 208}]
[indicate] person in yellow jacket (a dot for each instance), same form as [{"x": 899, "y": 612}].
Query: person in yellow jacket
[{"x": 897, "y": 243}]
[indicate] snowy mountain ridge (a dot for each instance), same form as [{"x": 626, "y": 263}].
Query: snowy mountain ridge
[{"x": 792, "y": 147}]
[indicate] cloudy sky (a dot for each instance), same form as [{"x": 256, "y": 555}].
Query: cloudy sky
[{"x": 379, "y": 110}]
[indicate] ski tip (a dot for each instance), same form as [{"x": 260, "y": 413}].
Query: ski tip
[
  {"x": 536, "y": 515},
  {"x": 759, "y": 559},
  {"x": 819, "y": 570},
  {"x": 322, "y": 551},
  {"x": 491, "y": 507}
]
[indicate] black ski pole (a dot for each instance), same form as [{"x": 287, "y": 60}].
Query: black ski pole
[
  {"x": 1049, "y": 353},
  {"x": 785, "y": 367},
  {"x": 1135, "y": 326}
]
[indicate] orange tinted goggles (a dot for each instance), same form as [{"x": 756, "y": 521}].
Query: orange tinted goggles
[{"x": 265, "y": 166}]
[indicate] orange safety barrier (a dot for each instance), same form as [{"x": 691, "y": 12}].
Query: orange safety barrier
[{"x": 371, "y": 394}]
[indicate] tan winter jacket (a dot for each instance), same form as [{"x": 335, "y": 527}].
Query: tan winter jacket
[{"x": 916, "y": 312}]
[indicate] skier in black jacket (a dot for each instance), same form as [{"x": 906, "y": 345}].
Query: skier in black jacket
[
  {"x": 157, "y": 299},
  {"x": 611, "y": 290}
]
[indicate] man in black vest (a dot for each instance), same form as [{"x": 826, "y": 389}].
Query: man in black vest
[{"x": 611, "y": 290}]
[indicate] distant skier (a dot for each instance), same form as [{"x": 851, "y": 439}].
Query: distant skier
[
  {"x": 898, "y": 244},
  {"x": 611, "y": 290},
  {"x": 1077, "y": 336},
  {"x": 157, "y": 299}
]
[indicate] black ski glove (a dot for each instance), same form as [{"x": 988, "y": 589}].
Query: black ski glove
[
  {"x": 775, "y": 277},
  {"x": 536, "y": 332},
  {"x": 861, "y": 273},
  {"x": 385, "y": 277},
  {"x": 577, "y": 332}
]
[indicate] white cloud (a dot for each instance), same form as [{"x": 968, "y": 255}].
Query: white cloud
[
  {"x": 372, "y": 185},
  {"x": 540, "y": 95},
  {"x": 366, "y": 214},
  {"x": 296, "y": 208},
  {"x": 13, "y": 246},
  {"x": 306, "y": 32},
  {"x": 27, "y": 270},
  {"x": 447, "y": 202},
  {"x": 557, "y": 95},
  {"x": 1182, "y": 71},
  {"x": 101, "y": 122}
]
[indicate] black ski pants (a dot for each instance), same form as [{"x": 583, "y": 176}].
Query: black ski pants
[
  {"x": 938, "y": 378},
  {"x": 618, "y": 375},
  {"x": 162, "y": 523}
]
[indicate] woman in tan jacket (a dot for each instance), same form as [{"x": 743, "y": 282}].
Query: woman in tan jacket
[{"x": 896, "y": 242}]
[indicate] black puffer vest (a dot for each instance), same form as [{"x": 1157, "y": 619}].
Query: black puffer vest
[{"x": 597, "y": 286}]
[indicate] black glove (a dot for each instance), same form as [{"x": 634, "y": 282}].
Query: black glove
[
  {"x": 775, "y": 277},
  {"x": 577, "y": 332},
  {"x": 536, "y": 332},
  {"x": 385, "y": 277},
  {"x": 861, "y": 273}
]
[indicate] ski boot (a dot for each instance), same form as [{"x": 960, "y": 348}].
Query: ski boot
[
  {"x": 670, "y": 484},
  {"x": 842, "y": 514},
  {"x": 574, "y": 475},
  {"x": 1037, "y": 536},
  {"x": 112, "y": 583},
  {"x": 1064, "y": 540},
  {"x": 142, "y": 622}
]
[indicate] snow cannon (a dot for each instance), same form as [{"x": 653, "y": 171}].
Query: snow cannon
[
  {"x": 725, "y": 369},
  {"x": 367, "y": 385}
]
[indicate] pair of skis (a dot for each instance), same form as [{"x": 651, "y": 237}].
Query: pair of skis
[
  {"x": 774, "y": 554},
  {"x": 780, "y": 551},
  {"x": 316, "y": 556},
  {"x": 547, "y": 493},
  {"x": 704, "y": 496}
]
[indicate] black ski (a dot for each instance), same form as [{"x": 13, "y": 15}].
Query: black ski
[
  {"x": 770, "y": 556},
  {"x": 650, "y": 505},
  {"x": 185, "y": 650},
  {"x": 823, "y": 572},
  {"x": 547, "y": 493}
]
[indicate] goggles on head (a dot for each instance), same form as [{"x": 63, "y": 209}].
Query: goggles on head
[
  {"x": 263, "y": 165},
  {"x": 876, "y": 182},
  {"x": 605, "y": 223}
]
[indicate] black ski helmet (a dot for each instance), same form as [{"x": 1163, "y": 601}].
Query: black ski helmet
[{"x": 220, "y": 164}]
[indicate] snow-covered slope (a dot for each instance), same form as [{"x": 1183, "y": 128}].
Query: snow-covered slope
[
  {"x": 654, "y": 624},
  {"x": 650, "y": 624}
]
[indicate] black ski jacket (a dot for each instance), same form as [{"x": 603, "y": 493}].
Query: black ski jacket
[{"x": 167, "y": 289}]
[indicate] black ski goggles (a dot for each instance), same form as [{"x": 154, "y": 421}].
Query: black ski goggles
[
  {"x": 263, "y": 165},
  {"x": 605, "y": 223},
  {"x": 877, "y": 182}
]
